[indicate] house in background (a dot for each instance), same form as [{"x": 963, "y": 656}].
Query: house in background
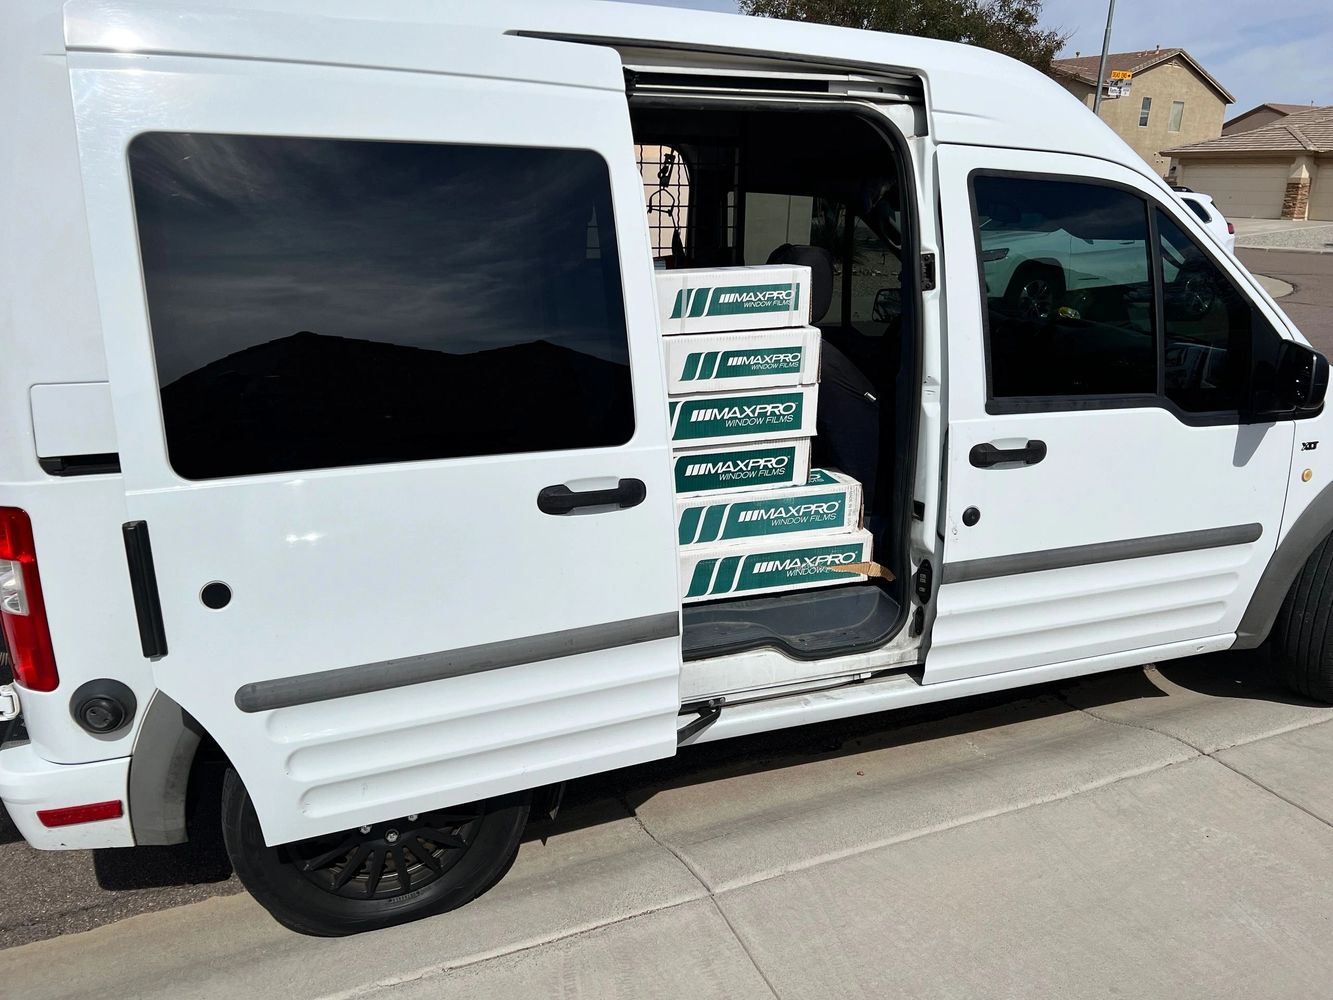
[
  {"x": 1283, "y": 170},
  {"x": 1172, "y": 100},
  {"x": 1259, "y": 116}
]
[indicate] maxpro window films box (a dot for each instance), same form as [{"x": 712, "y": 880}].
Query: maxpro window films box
[
  {"x": 767, "y": 565},
  {"x": 709, "y": 300},
  {"x": 830, "y": 501},
  {"x": 735, "y": 417},
  {"x": 751, "y": 359},
  {"x": 760, "y": 465}
]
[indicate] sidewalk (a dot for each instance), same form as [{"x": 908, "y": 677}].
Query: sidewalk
[
  {"x": 1279, "y": 234},
  {"x": 1144, "y": 834}
]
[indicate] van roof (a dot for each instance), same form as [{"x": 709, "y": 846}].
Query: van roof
[{"x": 973, "y": 95}]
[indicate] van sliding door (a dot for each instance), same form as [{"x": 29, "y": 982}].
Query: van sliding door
[{"x": 384, "y": 359}]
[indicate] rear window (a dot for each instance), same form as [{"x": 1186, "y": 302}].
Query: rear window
[
  {"x": 318, "y": 303},
  {"x": 1197, "y": 208}
]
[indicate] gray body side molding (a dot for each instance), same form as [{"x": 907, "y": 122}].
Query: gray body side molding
[
  {"x": 1311, "y": 528},
  {"x": 1101, "y": 552},
  {"x": 160, "y": 772},
  {"x": 363, "y": 678}
]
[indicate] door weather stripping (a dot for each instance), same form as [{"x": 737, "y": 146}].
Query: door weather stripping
[
  {"x": 384, "y": 675},
  {"x": 1083, "y": 555}
]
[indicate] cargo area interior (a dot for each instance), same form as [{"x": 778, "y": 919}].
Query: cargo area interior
[{"x": 727, "y": 186}]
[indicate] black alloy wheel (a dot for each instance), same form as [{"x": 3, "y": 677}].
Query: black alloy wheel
[
  {"x": 1035, "y": 293},
  {"x": 377, "y": 875},
  {"x": 387, "y": 859},
  {"x": 1036, "y": 300}
]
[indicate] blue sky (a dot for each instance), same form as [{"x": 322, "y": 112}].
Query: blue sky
[{"x": 1260, "y": 53}]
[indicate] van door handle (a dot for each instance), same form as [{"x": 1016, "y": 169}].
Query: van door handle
[
  {"x": 984, "y": 456},
  {"x": 560, "y": 499}
]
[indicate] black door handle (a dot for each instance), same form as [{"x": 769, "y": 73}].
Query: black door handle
[
  {"x": 561, "y": 499},
  {"x": 983, "y": 456}
]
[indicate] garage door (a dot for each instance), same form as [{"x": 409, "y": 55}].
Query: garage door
[
  {"x": 1321, "y": 192},
  {"x": 1244, "y": 190}
]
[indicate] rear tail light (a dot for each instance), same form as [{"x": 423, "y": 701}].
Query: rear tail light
[
  {"x": 22, "y": 611},
  {"x": 1231, "y": 229}
]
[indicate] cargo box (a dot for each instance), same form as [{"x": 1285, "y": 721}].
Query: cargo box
[
  {"x": 767, "y": 565},
  {"x": 732, "y": 417},
  {"x": 714, "y": 299},
  {"x": 830, "y": 501},
  {"x": 760, "y": 465},
  {"x": 750, "y": 359}
]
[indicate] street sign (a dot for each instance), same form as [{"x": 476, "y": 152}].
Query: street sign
[{"x": 1119, "y": 83}]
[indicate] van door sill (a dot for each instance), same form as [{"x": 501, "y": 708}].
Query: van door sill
[{"x": 802, "y": 624}]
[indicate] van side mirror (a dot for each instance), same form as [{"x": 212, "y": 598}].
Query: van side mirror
[
  {"x": 1303, "y": 372},
  {"x": 1297, "y": 385}
]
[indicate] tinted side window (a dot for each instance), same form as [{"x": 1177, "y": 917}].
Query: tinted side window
[
  {"x": 318, "y": 303},
  {"x": 1211, "y": 328},
  {"x": 1069, "y": 303}
]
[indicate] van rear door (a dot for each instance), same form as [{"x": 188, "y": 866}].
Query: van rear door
[{"x": 385, "y": 368}]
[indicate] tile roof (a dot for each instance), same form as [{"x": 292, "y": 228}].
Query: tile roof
[
  {"x": 1309, "y": 130},
  {"x": 1282, "y": 109},
  {"x": 1084, "y": 68}
]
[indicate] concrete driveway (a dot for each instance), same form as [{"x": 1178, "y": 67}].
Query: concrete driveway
[
  {"x": 1149, "y": 833},
  {"x": 1284, "y": 234}
]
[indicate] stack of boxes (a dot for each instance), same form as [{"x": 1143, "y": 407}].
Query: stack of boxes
[{"x": 743, "y": 378}]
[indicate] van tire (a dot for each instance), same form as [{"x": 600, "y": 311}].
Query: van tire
[
  {"x": 307, "y": 902},
  {"x": 1302, "y": 638}
]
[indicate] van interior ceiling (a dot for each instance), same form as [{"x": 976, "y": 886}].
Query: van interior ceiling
[{"x": 730, "y": 186}]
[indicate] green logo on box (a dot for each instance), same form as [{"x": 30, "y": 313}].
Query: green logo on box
[
  {"x": 701, "y": 365},
  {"x": 753, "y": 518},
  {"x": 723, "y": 417},
  {"x": 730, "y": 470},
  {"x": 740, "y": 299},
  {"x": 780, "y": 568}
]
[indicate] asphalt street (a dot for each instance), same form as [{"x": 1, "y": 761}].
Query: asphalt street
[{"x": 1310, "y": 304}]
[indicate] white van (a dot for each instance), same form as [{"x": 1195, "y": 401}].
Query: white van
[{"x": 335, "y": 417}]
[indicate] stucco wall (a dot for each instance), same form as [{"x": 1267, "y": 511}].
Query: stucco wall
[
  {"x": 1076, "y": 87},
  {"x": 1170, "y": 81},
  {"x": 1253, "y": 120}
]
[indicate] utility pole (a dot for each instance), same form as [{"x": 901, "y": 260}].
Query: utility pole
[{"x": 1101, "y": 70}]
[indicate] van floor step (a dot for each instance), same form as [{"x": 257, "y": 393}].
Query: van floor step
[{"x": 805, "y": 624}]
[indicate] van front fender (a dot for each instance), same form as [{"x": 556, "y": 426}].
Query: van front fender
[{"x": 1312, "y": 527}]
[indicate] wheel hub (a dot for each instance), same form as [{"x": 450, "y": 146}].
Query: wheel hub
[{"x": 383, "y": 860}]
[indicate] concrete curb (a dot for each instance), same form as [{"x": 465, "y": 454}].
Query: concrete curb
[
  {"x": 1247, "y": 246},
  {"x": 1275, "y": 287}
]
